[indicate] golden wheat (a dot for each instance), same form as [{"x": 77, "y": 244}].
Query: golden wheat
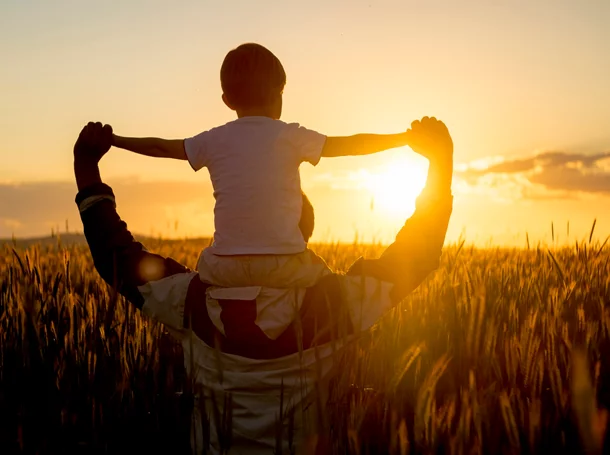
[{"x": 499, "y": 351}]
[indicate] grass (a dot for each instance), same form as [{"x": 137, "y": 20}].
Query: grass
[{"x": 500, "y": 351}]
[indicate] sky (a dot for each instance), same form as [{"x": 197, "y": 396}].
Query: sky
[{"x": 522, "y": 86}]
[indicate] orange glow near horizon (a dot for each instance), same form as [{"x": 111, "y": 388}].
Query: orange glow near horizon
[{"x": 495, "y": 73}]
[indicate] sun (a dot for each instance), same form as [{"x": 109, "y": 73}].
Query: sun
[{"x": 395, "y": 186}]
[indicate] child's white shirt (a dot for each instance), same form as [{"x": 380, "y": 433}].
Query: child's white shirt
[{"x": 254, "y": 167}]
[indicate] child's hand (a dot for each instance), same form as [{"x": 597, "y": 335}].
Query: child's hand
[{"x": 430, "y": 138}]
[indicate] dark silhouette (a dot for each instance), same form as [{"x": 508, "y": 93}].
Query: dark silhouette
[{"x": 249, "y": 373}]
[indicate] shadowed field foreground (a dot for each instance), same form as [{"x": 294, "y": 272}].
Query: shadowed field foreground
[{"x": 482, "y": 358}]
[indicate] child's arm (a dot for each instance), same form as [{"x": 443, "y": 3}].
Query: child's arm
[
  {"x": 362, "y": 144},
  {"x": 152, "y": 146}
]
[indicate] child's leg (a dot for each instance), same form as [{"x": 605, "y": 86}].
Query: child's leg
[{"x": 277, "y": 271}]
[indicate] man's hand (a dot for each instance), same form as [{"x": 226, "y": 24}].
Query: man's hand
[
  {"x": 430, "y": 138},
  {"x": 93, "y": 142}
]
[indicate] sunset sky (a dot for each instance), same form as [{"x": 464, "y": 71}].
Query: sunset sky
[{"x": 524, "y": 87}]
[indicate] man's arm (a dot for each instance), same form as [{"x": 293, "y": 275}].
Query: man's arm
[
  {"x": 120, "y": 260},
  {"x": 417, "y": 248},
  {"x": 362, "y": 144},
  {"x": 416, "y": 251},
  {"x": 152, "y": 146}
]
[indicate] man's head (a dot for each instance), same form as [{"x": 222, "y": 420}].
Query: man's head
[
  {"x": 252, "y": 81},
  {"x": 306, "y": 223}
]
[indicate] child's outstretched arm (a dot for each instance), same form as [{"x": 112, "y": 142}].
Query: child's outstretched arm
[
  {"x": 362, "y": 144},
  {"x": 152, "y": 146}
]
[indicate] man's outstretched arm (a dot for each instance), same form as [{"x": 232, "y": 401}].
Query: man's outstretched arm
[
  {"x": 416, "y": 251},
  {"x": 120, "y": 260}
]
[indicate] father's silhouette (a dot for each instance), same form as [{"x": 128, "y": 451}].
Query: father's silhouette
[{"x": 256, "y": 345}]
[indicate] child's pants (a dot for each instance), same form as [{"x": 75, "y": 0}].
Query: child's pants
[{"x": 300, "y": 270}]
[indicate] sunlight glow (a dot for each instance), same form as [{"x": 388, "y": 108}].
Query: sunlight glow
[{"x": 396, "y": 186}]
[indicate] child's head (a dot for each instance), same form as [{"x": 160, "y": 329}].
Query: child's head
[{"x": 252, "y": 81}]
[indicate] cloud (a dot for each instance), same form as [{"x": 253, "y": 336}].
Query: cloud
[
  {"x": 571, "y": 179},
  {"x": 35, "y": 208},
  {"x": 548, "y": 175}
]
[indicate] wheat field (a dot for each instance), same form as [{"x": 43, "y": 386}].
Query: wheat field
[{"x": 499, "y": 351}]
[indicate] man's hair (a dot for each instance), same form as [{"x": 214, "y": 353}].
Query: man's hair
[
  {"x": 307, "y": 218},
  {"x": 251, "y": 76}
]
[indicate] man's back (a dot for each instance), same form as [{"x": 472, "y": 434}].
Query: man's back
[{"x": 238, "y": 366}]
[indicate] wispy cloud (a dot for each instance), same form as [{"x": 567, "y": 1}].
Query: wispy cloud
[
  {"x": 35, "y": 208},
  {"x": 547, "y": 175}
]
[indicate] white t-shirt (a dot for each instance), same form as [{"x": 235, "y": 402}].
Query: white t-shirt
[{"x": 254, "y": 167}]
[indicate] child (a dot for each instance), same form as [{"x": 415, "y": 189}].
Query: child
[{"x": 254, "y": 167}]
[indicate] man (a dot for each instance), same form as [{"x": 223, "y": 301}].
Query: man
[{"x": 261, "y": 358}]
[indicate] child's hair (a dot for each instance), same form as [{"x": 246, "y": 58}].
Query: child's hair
[{"x": 251, "y": 76}]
